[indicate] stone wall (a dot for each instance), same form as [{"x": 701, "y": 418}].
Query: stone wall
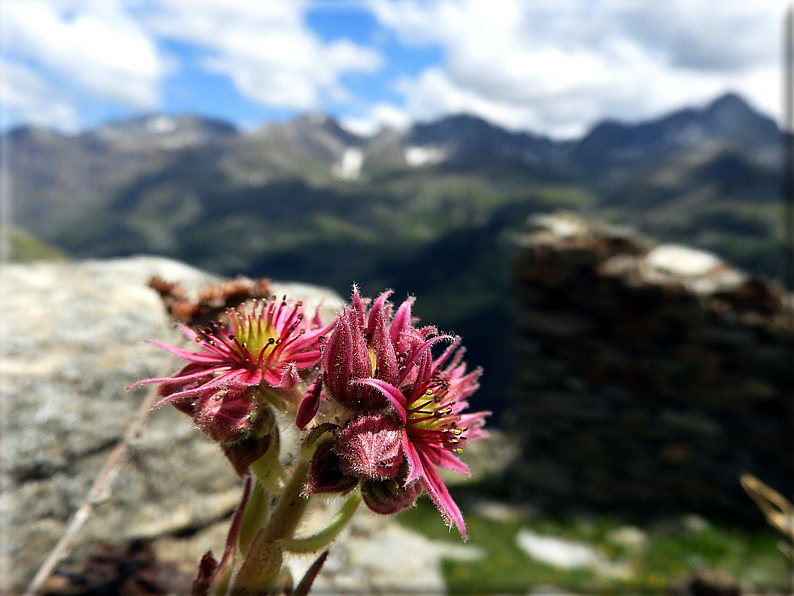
[{"x": 648, "y": 377}]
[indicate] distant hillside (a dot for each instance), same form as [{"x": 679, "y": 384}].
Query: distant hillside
[
  {"x": 21, "y": 246},
  {"x": 728, "y": 121},
  {"x": 423, "y": 211}
]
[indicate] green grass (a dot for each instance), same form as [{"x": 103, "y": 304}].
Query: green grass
[
  {"x": 24, "y": 247},
  {"x": 567, "y": 196},
  {"x": 750, "y": 556}
]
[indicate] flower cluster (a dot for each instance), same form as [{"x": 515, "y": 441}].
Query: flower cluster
[
  {"x": 400, "y": 411},
  {"x": 380, "y": 413}
]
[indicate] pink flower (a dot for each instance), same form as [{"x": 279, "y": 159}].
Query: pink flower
[
  {"x": 429, "y": 400},
  {"x": 366, "y": 343},
  {"x": 375, "y": 363},
  {"x": 268, "y": 346}
]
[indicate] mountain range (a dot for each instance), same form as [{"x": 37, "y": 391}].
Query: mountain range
[{"x": 424, "y": 211}]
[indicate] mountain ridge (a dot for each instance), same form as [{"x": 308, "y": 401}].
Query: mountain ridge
[
  {"x": 166, "y": 165},
  {"x": 727, "y": 109}
]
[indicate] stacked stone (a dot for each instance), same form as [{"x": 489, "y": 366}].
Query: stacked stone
[{"x": 646, "y": 376}]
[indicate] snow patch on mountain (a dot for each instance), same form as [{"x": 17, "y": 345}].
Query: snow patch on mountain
[
  {"x": 424, "y": 155},
  {"x": 349, "y": 167}
]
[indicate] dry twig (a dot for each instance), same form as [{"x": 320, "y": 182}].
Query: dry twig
[{"x": 97, "y": 494}]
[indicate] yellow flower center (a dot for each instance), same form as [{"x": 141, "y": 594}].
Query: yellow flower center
[
  {"x": 426, "y": 411},
  {"x": 373, "y": 360},
  {"x": 255, "y": 336},
  {"x": 428, "y": 416}
]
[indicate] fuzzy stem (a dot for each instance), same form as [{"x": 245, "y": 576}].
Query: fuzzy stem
[
  {"x": 291, "y": 506},
  {"x": 324, "y": 537},
  {"x": 264, "y": 558},
  {"x": 255, "y": 516},
  {"x": 285, "y": 400},
  {"x": 268, "y": 470}
]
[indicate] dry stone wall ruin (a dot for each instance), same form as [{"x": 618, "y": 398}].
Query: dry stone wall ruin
[{"x": 647, "y": 376}]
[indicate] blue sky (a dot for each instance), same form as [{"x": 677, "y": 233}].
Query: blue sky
[{"x": 554, "y": 67}]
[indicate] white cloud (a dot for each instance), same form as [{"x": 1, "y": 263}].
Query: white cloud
[
  {"x": 557, "y": 67},
  {"x": 27, "y": 98},
  {"x": 94, "y": 45},
  {"x": 266, "y": 49}
]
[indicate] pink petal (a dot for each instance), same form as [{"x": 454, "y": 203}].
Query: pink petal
[
  {"x": 438, "y": 492},
  {"x": 204, "y": 372},
  {"x": 289, "y": 377},
  {"x": 473, "y": 423},
  {"x": 445, "y": 459},
  {"x": 358, "y": 308},
  {"x": 415, "y": 467},
  {"x": 417, "y": 353},
  {"x": 192, "y": 335},
  {"x": 338, "y": 354},
  {"x": 305, "y": 359},
  {"x": 385, "y": 356},
  {"x": 310, "y": 404},
  {"x": 401, "y": 322},
  {"x": 201, "y": 357},
  {"x": 378, "y": 310},
  {"x": 391, "y": 393},
  {"x": 448, "y": 352}
]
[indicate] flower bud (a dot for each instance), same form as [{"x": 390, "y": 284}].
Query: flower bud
[
  {"x": 326, "y": 474},
  {"x": 370, "y": 447},
  {"x": 260, "y": 434},
  {"x": 388, "y": 497},
  {"x": 225, "y": 414}
]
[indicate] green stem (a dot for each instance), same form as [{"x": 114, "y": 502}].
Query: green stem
[
  {"x": 291, "y": 506},
  {"x": 255, "y": 516},
  {"x": 263, "y": 561},
  {"x": 326, "y": 536},
  {"x": 268, "y": 470},
  {"x": 285, "y": 400}
]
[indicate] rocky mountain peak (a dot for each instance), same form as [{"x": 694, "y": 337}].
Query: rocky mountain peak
[{"x": 166, "y": 132}]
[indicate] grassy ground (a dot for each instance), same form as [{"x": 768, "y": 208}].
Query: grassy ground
[
  {"x": 667, "y": 555},
  {"x": 23, "y": 247}
]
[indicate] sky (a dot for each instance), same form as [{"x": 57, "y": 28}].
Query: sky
[{"x": 551, "y": 67}]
